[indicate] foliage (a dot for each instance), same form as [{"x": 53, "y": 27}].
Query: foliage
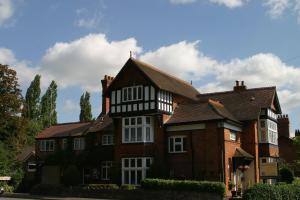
[
  {"x": 85, "y": 108},
  {"x": 184, "y": 185},
  {"x": 95, "y": 187},
  {"x": 48, "y": 106},
  {"x": 274, "y": 192},
  {"x": 128, "y": 187},
  {"x": 71, "y": 176},
  {"x": 31, "y": 108},
  {"x": 7, "y": 188},
  {"x": 47, "y": 189},
  {"x": 286, "y": 175}
]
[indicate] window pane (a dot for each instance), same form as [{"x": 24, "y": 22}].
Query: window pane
[
  {"x": 178, "y": 148},
  {"x": 139, "y": 162},
  {"x": 129, "y": 94},
  {"x": 125, "y": 94},
  {"x": 132, "y": 134},
  {"x": 148, "y": 120},
  {"x": 126, "y": 134},
  {"x": 148, "y": 137},
  {"x": 177, "y": 140},
  {"x": 132, "y": 177},
  {"x": 126, "y": 177},
  {"x": 139, "y": 92},
  {"x": 148, "y": 162},
  {"x": 184, "y": 144},
  {"x": 139, "y": 176},
  {"x": 139, "y": 120},
  {"x": 171, "y": 143},
  {"x": 132, "y": 163},
  {"x": 139, "y": 134},
  {"x": 126, "y": 121},
  {"x": 126, "y": 163},
  {"x": 134, "y": 93},
  {"x": 132, "y": 121}
]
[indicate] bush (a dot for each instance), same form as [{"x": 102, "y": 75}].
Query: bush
[
  {"x": 7, "y": 188},
  {"x": 94, "y": 187},
  {"x": 128, "y": 187},
  {"x": 71, "y": 176},
  {"x": 286, "y": 175},
  {"x": 274, "y": 192},
  {"x": 47, "y": 189},
  {"x": 185, "y": 185}
]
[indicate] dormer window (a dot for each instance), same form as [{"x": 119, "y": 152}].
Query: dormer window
[{"x": 132, "y": 93}]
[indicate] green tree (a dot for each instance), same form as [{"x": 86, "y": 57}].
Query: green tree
[
  {"x": 32, "y": 99},
  {"x": 10, "y": 101},
  {"x": 48, "y": 106},
  {"x": 85, "y": 108}
]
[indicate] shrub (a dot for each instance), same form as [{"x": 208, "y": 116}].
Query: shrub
[
  {"x": 7, "y": 188},
  {"x": 185, "y": 185},
  {"x": 71, "y": 176},
  {"x": 128, "y": 187},
  {"x": 286, "y": 175},
  {"x": 274, "y": 192},
  {"x": 47, "y": 189},
  {"x": 94, "y": 187}
]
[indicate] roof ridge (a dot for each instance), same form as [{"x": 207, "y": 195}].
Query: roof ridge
[
  {"x": 161, "y": 71},
  {"x": 231, "y": 91},
  {"x": 67, "y": 123}
]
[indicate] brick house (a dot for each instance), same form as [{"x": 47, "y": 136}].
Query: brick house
[{"x": 154, "y": 124}]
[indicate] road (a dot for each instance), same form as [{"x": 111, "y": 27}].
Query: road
[{"x": 44, "y": 198}]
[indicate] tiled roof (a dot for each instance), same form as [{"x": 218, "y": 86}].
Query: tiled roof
[
  {"x": 64, "y": 130},
  {"x": 103, "y": 123},
  {"x": 26, "y": 153},
  {"x": 205, "y": 111},
  {"x": 241, "y": 153},
  {"x": 244, "y": 105}
]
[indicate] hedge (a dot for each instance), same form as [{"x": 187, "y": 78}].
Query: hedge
[
  {"x": 272, "y": 192},
  {"x": 47, "y": 189},
  {"x": 185, "y": 185},
  {"x": 95, "y": 187}
]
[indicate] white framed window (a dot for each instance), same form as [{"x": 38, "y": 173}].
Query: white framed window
[
  {"x": 135, "y": 169},
  {"x": 105, "y": 170},
  {"x": 232, "y": 135},
  {"x": 78, "y": 143},
  {"x": 177, "y": 144},
  {"x": 137, "y": 129},
  {"x": 31, "y": 167},
  {"x": 64, "y": 143},
  {"x": 268, "y": 131},
  {"x": 47, "y": 145},
  {"x": 107, "y": 139},
  {"x": 133, "y": 93}
]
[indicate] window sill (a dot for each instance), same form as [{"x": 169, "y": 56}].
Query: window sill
[
  {"x": 177, "y": 152},
  {"x": 138, "y": 142}
]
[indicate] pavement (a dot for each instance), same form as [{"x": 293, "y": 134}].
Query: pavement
[{"x": 24, "y": 196}]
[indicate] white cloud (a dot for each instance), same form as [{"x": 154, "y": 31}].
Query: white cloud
[
  {"x": 229, "y": 3},
  {"x": 6, "y": 11},
  {"x": 182, "y": 1},
  {"x": 88, "y": 20},
  {"x": 276, "y": 7},
  {"x": 297, "y": 10},
  {"x": 69, "y": 106},
  {"x": 85, "y": 61}
]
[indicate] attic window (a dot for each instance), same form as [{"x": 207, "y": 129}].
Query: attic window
[{"x": 132, "y": 93}]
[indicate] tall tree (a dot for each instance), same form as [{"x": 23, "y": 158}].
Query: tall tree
[
  {"x": 32, "y": 99},
  {"x": 48, "y": 106},
  {"x": 85, "y": 108},
  {"x": 10, "y": 101}
]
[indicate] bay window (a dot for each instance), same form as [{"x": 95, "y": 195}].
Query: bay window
[
  {"x": 135, "y": 169},
  {"x": 268, "y": 131},
  {"x": 137, "y": 129}
]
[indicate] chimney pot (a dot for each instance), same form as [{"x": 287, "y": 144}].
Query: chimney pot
[
  {"x": 237, "y": 83},
  {"x": 242, "y": 83}
]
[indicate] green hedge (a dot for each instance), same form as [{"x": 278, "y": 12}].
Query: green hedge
[
  {"x": 128, "y": 187},
  {"x": 95, "y": 187},
  {"x": 185, "y": 185},
  {"x": 272, "y": 192}
]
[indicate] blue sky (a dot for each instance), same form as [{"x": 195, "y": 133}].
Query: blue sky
[{"x": 212, "y": 42}]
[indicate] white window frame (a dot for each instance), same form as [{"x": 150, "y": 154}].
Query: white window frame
[
  {"x": 146, "y": 126},
  {"x": 47, "y": 145},
  {"x": 78, "y": 143},
  {"x": 107, "y": 139},
  {"x": 105, "y": 170},
  {"x": 233, "y": 135},
  {"x": 131, "y": 89},
  {"x": 143, "y": 169},
  {"x": 181, "y": 143},
  {"x": 64, "y": 143},
  {"x": 31, "y": 169},
  {"x": 270, "y": 130}
]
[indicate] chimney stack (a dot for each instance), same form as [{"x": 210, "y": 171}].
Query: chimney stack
[
  {"x": 239, "y": 87},
  {"x": 105, "y": 97},
  {"x": 283, "y": 123},
  {"x": 297, "y": 132}
]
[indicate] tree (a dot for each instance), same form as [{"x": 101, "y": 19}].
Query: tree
[
  {"x": 85, "y": 108},
  {"x": 286, "y": 175},
  {"x": 10, "y": 101},
  {"x": 32, "y": 99},
  {"x": 48, "y": 106}
]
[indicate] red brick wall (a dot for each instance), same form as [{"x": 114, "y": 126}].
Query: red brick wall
[
  {"x": 287, "y": 150},
  {"x": 268, "y": 150}
]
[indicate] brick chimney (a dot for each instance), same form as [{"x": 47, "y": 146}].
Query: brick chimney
[
  {"x": 297, "y": 132},
  {"x": 105, "y": 99},
  {"x": 283, "y": 126},
  {"x": 239, "y": 86}
]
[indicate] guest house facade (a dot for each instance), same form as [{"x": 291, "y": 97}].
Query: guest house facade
[{"x": 153, "y": 124}]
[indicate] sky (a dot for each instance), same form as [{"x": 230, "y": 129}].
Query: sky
[{"x": 209, "y": 42}]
